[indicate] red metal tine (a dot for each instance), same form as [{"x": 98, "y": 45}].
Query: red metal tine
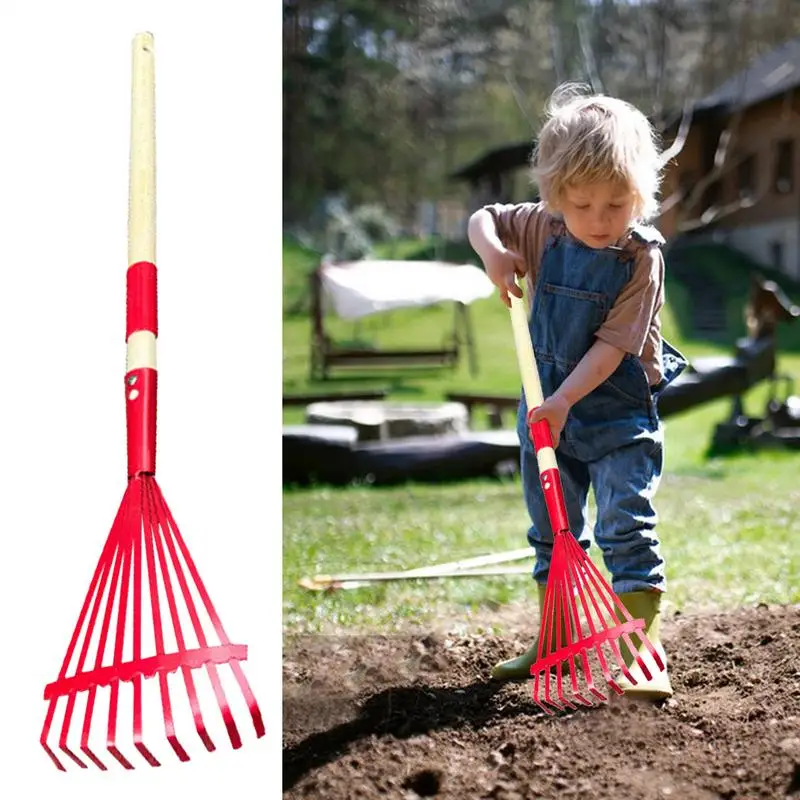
[
  {"x": 598, "y": 587},
  {"x": 569, "y": 646},
  {"x": 116, "y": 559},
  {"x": 580, "y": 569},
  {"x": 536, "y": 698},
  {"x": 576, "y": 649},
  {"x": 546, "y": 625},
  {"x": 95, "y": 592},
  {"x": 603, "y": 590},
  {"x": 578, "y": 572},
  {"x": 255, "y": 712},
  {"x": 550, "y": 629},
  {"x": 545, "y": 633},
  {"x": 151, "y": 536},
  {"x": 142, "y": 532},
  {"x": 542, "y": 675},
  {"x": 158, "y": 534},
  {"x": 638, "y": 627},
  {"x": 233, "y": 733},
  {"x": 559, "y": 624},
  {"x": 546, "y": 703},
  {"x": 550, "y": 623},
  {"x": 132, "y": 531}
]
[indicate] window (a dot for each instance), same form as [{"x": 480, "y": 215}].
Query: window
[
  {"x": 746, "y": 177},
  {"x": 784, "y": 167}
]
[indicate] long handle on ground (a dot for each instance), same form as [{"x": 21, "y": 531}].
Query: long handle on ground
[
  {"x": 141, "y": 298},
  {"x": 540, "y": 431},
  {"x": 356, "y": 580},
  {"x": 445, "y": 569}
]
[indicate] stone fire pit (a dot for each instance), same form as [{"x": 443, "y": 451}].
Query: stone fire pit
[{"x": 377, "y": 420}]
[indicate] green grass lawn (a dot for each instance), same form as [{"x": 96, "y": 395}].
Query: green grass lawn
[{"x": 728, "y": 525}]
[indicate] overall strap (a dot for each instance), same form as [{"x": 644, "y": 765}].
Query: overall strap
[
  {"x": 648, "y": 234},
  {"x": 640, "y": 236}
]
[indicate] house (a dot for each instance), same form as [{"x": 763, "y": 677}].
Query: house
[
  {"x": 751, "y": 199},
  {"x": 492, "y": 176}
]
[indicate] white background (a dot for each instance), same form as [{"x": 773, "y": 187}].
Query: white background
[{"x": 64, "y": 139}]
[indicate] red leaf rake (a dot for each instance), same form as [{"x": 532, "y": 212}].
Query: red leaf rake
[
  {"x": 146, "y": 592},
  {"x": 580, "y": 613}
]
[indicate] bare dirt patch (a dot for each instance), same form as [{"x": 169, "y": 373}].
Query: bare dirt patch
[{"x": 414, "y": 715}]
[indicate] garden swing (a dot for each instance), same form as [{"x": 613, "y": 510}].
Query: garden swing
[{"x": 357, "y": 289}]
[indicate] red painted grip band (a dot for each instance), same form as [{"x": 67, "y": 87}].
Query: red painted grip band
[
  {"x": 140, "y": 414},
  {"x": 550, "y": 478},
  {"x": 142, "y": 299},
  {"x": 540, "y": 433}
]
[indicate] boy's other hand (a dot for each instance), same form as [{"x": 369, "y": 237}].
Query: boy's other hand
[
  {"x": 555, "y": 410},
  {"x": 503, "y": 266}
]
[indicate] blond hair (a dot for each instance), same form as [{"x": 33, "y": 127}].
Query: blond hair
[{"x": 590, "y": 138}]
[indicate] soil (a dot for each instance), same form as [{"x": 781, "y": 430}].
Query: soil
[{"x": 413, "y": 715}]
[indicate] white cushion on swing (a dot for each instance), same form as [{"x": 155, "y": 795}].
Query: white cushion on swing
[{"x": 359, "y": 288}]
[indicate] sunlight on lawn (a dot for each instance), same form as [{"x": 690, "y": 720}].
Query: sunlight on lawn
[{"x": 727, "y": 525}]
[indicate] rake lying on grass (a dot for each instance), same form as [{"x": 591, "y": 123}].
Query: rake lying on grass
[
  {"x": 478, "y": 566},
  {"x": 146, "y": 592},
  {"x": 581, "y": 613}
]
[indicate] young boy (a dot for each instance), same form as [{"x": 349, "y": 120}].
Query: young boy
[{"x": 595, "y": 279}]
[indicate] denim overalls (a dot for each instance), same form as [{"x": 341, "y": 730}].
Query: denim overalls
[{"x": 613, "y": 438}]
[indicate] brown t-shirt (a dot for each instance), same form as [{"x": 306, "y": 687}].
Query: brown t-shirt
[{"x": 634, "y": 323}]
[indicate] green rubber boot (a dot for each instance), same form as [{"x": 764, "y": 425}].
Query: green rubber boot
[
  {"x": 647, "y": 606},
  {"x": 519, "y": 668}
]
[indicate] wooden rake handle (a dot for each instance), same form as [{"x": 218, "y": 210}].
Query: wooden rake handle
[
  {"x": 525, "y": 355},
  {"x": 142, "y": 170},
  {"x": 141, "y": 298},
  {"x": 540, "y": 431}
]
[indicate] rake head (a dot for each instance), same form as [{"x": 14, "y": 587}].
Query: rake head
[
  {"x": 581, "y": 616},
  {"x": 148, "y": 630}
]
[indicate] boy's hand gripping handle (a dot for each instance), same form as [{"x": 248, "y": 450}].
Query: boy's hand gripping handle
[
  {"x": 141, "y": 296},
  {"x": 540, "y": 431}
]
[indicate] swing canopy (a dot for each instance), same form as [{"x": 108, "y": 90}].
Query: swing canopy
[{"x": 360, "y": 288}]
